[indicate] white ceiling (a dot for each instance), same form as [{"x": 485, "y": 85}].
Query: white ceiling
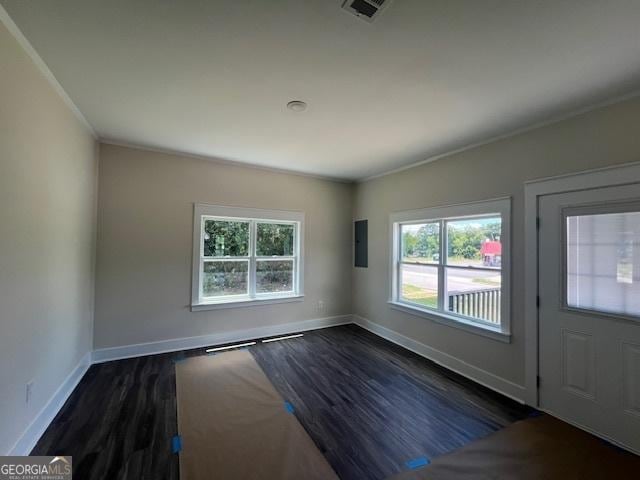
[{"x": 212, "y": 77}]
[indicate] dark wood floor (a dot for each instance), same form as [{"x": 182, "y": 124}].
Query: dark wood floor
[
  {"x": 368, "y": 404},
  {"x": 119, "y": 421}
]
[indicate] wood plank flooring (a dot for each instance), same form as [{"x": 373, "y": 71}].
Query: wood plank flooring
[
  {"x": 368, "y": 404},
  {"x": 119, "y": 421}
]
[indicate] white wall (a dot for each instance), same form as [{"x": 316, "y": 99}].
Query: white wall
[
  {"x": 143, "y": 282},
  {"x": 47, "y": 224},
  {"x": 599, "y": 138}
]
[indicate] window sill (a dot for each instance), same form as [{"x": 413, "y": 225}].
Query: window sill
[
  {"x": 453, "y": 321},
  {"x": 251, "y": 302}
]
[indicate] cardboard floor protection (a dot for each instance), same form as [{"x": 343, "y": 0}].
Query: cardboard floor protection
[
  {"x": 234, "y": 425},
  {"x": 540, "y": 448}
]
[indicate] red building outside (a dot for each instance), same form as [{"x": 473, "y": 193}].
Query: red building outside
[{"x": 491, "y": 252}]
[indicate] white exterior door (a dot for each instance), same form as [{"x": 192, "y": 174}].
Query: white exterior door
[{"x": 589, "y": 313}]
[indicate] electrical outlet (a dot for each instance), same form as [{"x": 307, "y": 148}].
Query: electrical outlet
[
  {"x": 29, "y": 392},
  {"x": 320, "y": 306}
]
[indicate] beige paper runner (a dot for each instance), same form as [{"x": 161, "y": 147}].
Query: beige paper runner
[
  {"x": 541, "y": 448},
  {"x": 234, "y": 424}
]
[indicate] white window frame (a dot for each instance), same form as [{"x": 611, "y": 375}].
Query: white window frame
[
  {"x": 203, "y": 212},
  {"x": 494, "y": 207}
]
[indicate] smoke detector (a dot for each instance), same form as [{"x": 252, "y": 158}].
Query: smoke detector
[
  {"x": 367, "y": 10},
  {"x": 297, "y": 105}
]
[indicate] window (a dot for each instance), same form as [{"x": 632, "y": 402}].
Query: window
[
  {"x": 603, "y": 261},
  {"x": 451, "y": 264},
  {"x": 246, "y": 256}
]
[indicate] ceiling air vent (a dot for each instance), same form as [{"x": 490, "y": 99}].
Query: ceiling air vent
[{"x": 367, "y": 10}]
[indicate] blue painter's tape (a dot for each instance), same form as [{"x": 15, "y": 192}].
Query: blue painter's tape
[
  {"x": 176, "y": 444},
  {"x": 417, "y": 462},
  {"x": 179, "y": 358},
  {"x": 288, "y": 407}
]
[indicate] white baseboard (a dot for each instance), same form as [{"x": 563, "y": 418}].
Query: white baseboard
[
  {"x": 128, "y": 351},
  {"x": 34, "y": 431},
  {"x": 43, "y": 419},
  {"x": 478, "y": 375}
]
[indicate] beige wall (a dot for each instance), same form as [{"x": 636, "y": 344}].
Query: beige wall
[
  {"x": 47, "y": 213},
  {"x": 143, "y": 283},
  {"x": 603, "y": 137},
  {"x": 143, "y": 258}
]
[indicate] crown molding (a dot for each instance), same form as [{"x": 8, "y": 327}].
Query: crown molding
[
  {"x": 220, "y": 161},
  {"x": 504, "y": 136},
  {"x": 8, "y": 22}
]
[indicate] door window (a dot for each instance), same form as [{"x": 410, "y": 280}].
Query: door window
[{"x": 603, "y": 262}]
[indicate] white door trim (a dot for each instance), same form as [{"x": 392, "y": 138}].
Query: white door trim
[{"x": 603, "y": 177}]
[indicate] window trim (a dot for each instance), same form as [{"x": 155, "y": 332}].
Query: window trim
[
  {"x": 201, "y": 212},
  {"x": 501, "y": 206}
]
